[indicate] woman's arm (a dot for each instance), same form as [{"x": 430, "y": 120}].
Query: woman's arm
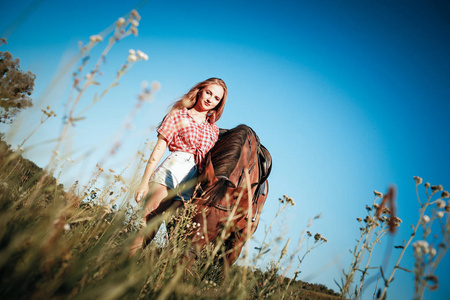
[{"x": 153, "y": 161}]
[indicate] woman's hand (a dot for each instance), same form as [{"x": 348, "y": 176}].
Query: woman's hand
[
  {"x": 154, "y": 159},
  {"x": 141, "y": 192}
]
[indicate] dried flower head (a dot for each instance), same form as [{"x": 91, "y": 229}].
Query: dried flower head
[
  {"x": 427, "y": 184},
  {"x": 444, "y": 194},
  {"x": 142, "y": 55},
  {"x": 436, "y": 188},
  {"x": 135, "y": 14},
  {"x": 421, "y": 248},
  {"x": 317, "y": 236},
  {"x": 418, "y": 179},
  {"x": 440, "y": 203},
  {"x": 289, "y": 200},
  {"x": 395, "y": 221},
  {"x": 95, "y": 38},
  {"x": 386, "y": 210},
  {"x": 132, "y": 57},
  {"x": 440, "y": 214},
  {"x": 368, "y": 219},
  {"x": 120, "y": 22},
  {"x": 425, "y": 219},
  {"x": 378, "y": 194}
]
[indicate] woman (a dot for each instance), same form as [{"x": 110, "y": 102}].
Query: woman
[{"x": 189, "y": 131}]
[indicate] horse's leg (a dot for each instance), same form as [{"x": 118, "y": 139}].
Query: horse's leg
[
  {"x": 155, "y": 220},
  {"x": 233, "y": 248}
]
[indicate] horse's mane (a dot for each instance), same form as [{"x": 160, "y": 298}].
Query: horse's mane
[
  {"x": 227, "y": 151},
  {"x": 225, "y": 155}
]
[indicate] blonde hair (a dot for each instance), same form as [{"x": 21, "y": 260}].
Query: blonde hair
[{"x": 190, "y": 99}]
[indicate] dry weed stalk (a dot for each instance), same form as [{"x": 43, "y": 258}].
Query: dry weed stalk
[
  {"x": 377, "y": 225},
  {"x": 428, "y": 252},
  {"x": 427, "y": 258}
]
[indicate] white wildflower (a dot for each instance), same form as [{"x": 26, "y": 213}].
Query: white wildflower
[
  {"x": 132, "y": 57},
  {"x": 131, "y": 52},
  {"x": 120, "y": 22},
  {"x": 66, "y": 227},
  {"x": 135, "y": 23},
  {"x": 142, "y": 55},
  {"x": 425, "y": 219},
  {"x": 440, "y": 203},
  {"x": 423, "y": 244},
  {"x": 440, "y": 214},
  {"x": 95, "y": 38},
  {"x": 432, "y": 252}
]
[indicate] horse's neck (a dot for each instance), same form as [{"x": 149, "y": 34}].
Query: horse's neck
[{"x": 247, "y": 160}]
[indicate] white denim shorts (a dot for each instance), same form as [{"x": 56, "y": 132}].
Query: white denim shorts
[{"x": 179, "y": 173}]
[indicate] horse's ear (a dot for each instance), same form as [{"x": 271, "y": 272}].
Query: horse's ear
[{"x": 208, "y": 173}]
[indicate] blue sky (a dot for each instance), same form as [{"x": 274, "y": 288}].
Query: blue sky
[{"x": 348, "y": 96}]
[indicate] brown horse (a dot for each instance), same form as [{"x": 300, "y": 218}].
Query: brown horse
[{"x": 232, "y": 192}]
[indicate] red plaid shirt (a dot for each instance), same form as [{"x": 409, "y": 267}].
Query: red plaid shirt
[{"x": 183, "y": 133}]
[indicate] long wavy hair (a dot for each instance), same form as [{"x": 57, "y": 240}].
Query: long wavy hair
[{"x": 190, "y": 99}]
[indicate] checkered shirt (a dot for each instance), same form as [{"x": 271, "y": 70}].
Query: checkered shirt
[{"x": 183, "y": 133}]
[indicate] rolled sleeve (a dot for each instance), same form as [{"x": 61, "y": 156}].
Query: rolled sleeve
[{"x": 168, "y": 127}]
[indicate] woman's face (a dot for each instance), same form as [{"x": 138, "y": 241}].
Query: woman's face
[{"x": 209, "y": 97}]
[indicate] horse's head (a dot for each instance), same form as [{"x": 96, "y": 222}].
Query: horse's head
[
  {"x": 219, "y": 202},
  {"x": 229, "y": 193},
  {"x": 216, "y": 189}
]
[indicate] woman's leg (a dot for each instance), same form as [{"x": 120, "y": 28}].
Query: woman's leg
[{"x": 158, "y": 193}]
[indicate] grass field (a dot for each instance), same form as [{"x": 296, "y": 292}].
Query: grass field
[{"x": 57, "y": 245}]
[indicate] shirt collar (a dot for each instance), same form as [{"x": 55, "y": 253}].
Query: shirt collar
[{"x": 184, "y": 112}]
